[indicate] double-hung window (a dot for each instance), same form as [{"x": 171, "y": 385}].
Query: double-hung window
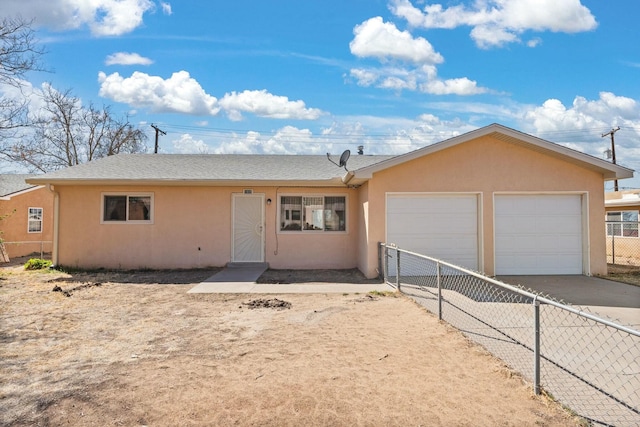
[
  {"x": 622, "y": 224},
  {"x": 35, "y": 220},
  {"x": 313, "y": 213},
  {"x": 127, "y": 208}
]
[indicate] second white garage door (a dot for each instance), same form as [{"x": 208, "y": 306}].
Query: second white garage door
[
  {"x": 440, "y": 226},
  {"x": 538, "y": 234}
]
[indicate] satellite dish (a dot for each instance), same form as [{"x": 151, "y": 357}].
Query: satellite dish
[{"x": 343, "y": 159}]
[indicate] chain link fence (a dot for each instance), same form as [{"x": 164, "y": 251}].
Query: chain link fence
[
  {"x": 589, "y": 364},
  {"x": 623, "y": 243}
]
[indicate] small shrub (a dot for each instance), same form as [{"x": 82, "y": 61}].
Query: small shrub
[
  {"x": 37, "y": 264},
  {"x": 384, "y": 293}
]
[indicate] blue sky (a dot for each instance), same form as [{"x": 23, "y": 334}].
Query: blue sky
[{"x": 316, "y": 76}]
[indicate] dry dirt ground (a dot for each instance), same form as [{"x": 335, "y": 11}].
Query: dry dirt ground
[
  {"x": 133, "y": 349},
  {"x": 624, "y": 273}
]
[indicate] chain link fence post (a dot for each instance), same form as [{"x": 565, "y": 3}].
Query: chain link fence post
[
  {"x": 385, "y": 263},
  {"x": 439, "y": 280},
  {"x": 536, "y": 345},
  {"x": 398, "y": 268},
  {"x": 613, "y": 249}
]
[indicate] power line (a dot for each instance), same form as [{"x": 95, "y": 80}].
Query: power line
[{"x": 208, "y": 131}]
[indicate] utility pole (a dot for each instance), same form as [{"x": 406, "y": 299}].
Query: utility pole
[
  {"x": 613, "y": 152},
  {"x": 164, "y": 133}
]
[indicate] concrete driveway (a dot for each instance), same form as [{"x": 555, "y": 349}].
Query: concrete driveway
[{"x": 612, "y": 300}]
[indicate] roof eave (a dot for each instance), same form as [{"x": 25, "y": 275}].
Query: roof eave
[
  {"x": 20, "y": 192},
  {"x": 332, "y": 182},
  {"x": 621, "y": 202}
]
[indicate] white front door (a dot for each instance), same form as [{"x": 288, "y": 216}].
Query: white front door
[{"x": 248, "y": 228}]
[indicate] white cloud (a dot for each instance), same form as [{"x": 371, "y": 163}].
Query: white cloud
[
  {"x": 186, "y": 144},
  {"x": 287, "y": 140},
  {"x": 181, "y": 93},
  {"x": 178, "y": 94},
  {"x": 378, "y": 135},
  {"x": 237, "y": 144},
  {"x": 364, "y": 77},
  {"x": 265, "y": 104},
  {"x": 580, "y": 126},
  {"x": 103, "y": 17},
  {"x": 382, "y": 40},
  {"x": 424, "y": 79},
  {"x": 126, "y": 58},
  {"x": 534, "y": 42},
  {"x": 497, "y": 22},
  {"x": 460, "y": 86},
  {"x": 609, "y": 110},
  {"x": 166, "y": 8},
  {"x": 428, "y": 118},
  {"x": 490, "y": 35}
]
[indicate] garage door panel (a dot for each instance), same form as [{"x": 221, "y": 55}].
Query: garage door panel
[
  {"x": 538, "y": 234},
  {"x": 440, "y": 226}
]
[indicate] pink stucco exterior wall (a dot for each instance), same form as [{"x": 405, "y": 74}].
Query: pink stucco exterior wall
[
  {"x": 14, "y": 225},
  {"x": 487, "y": 166},
  {"x": 192, "y": 227},
  {"x": 298, "y": 250}
]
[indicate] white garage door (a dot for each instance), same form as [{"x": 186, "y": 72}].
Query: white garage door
[
  {"x": 538, "y": 234},
  {"x": 440, "y": 226}
]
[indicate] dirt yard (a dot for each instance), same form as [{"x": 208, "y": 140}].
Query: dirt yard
[
  {"x": 629, "y": 274},
  {"x": 134, "y": 349}
]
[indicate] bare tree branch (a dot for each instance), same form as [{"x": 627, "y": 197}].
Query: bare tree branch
[
  {"x": 19, "y": 53},
  {"x": 66, "y": 134}
]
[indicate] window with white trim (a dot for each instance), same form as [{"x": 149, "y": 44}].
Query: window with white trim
[
  {"x": 313, "y": 213},
  {"x": 35, "y": 220},
  {"x": 622, "y": 224},
  {"x": 127, "y": 208}
]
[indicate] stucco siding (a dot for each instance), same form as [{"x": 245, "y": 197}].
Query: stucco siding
[
  {"x": 14, "y": 225},
  {"x": 311, "y": 250},
  {"x": 191, "y": 227},
  {"x": 488, "y": 166},
  {"x": 365, "y": 244}
]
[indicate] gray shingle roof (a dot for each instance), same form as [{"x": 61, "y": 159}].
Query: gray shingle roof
[
  {"x": 208, "y": 168},
  {"x": 238, "y": 169},
  {"x": 12, "y": 183}
]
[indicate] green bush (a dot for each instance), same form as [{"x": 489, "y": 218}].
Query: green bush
[{"x": 37, "y": 264}]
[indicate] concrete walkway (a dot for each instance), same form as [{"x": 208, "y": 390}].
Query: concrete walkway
[{"x": 242, "y": 278}]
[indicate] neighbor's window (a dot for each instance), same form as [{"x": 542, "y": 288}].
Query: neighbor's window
[
  {"x": 622, "y": 224},
  {"x": 312, "y": 213},
  {"x": 35, "y": 220},
  {"x": 126, "y": 208}
]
